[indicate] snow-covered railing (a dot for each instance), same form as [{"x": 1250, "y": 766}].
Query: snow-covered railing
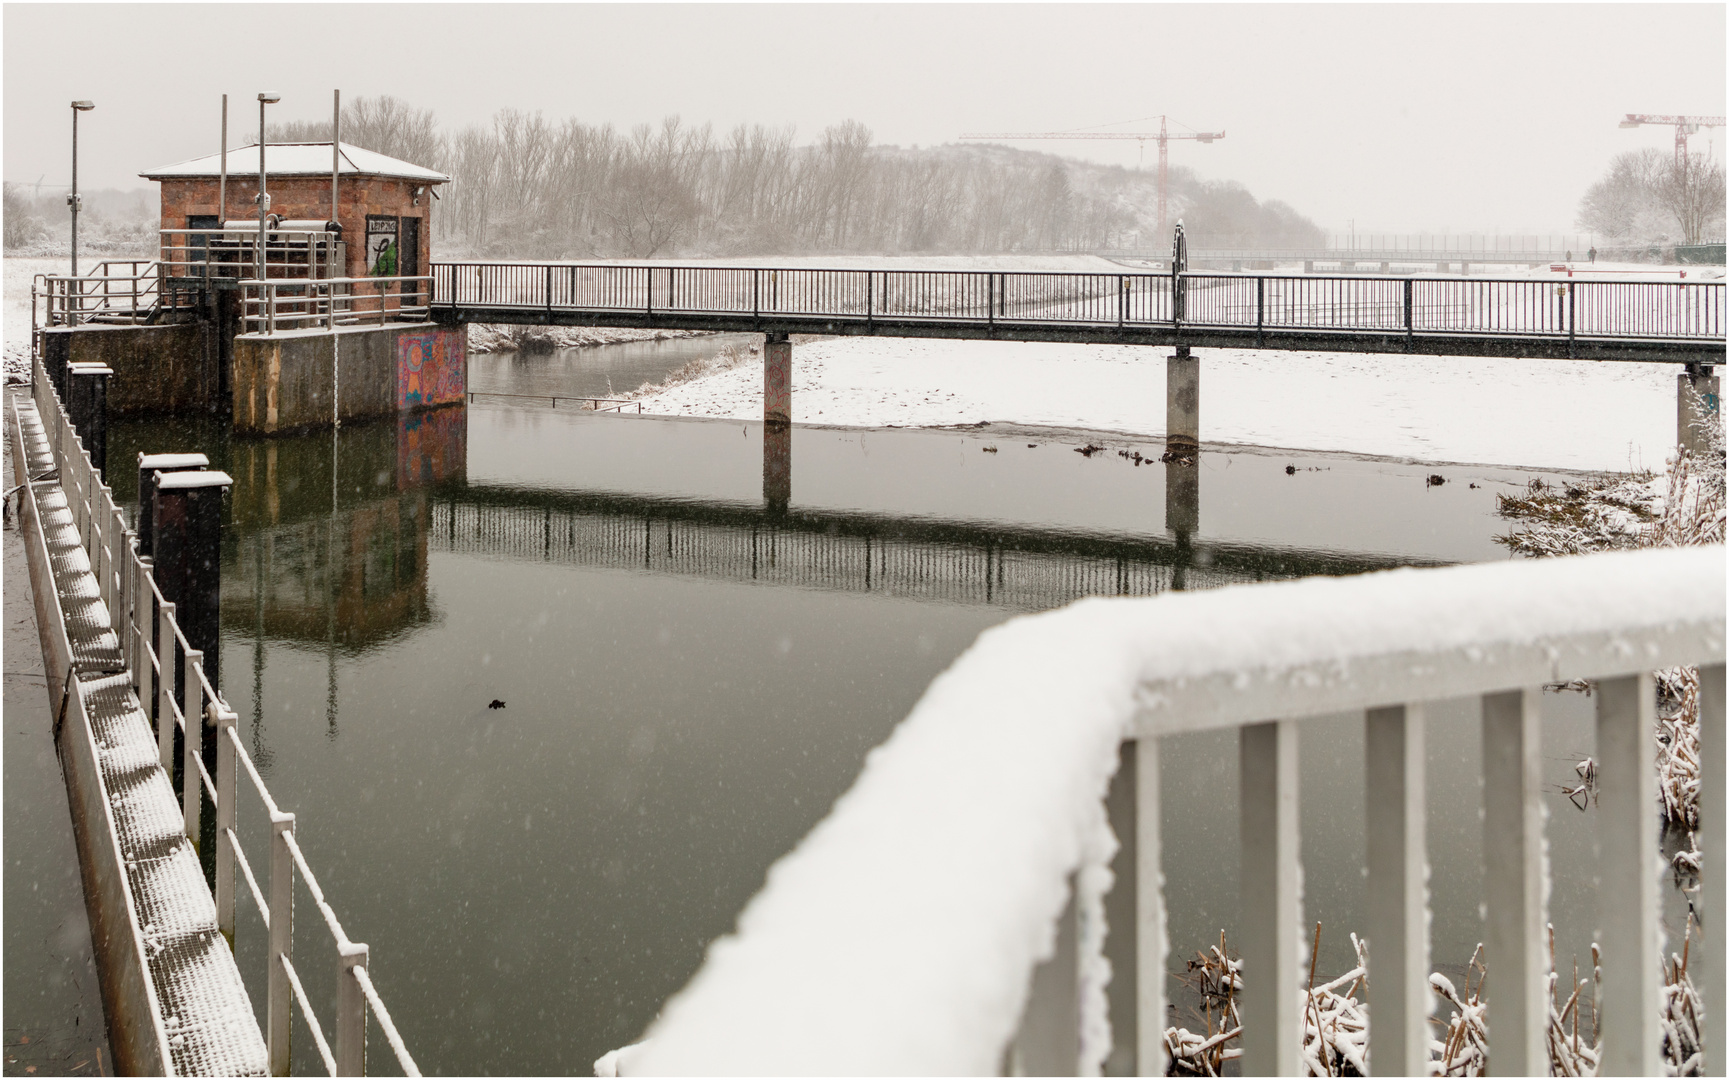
[
  {"x": 157, "y": 655},
  {"x": 903, "y": 933}
]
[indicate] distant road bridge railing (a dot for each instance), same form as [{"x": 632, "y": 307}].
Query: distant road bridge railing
[{"x": 1622, "y": 320}]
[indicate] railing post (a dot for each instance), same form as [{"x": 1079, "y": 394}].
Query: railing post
[
  {"x": 1410, "y": 312},
  {"x": 1711, "y": 891},
  {"x": 143, "y": 618},
  {"x": 756, "y": 294},
  {"x": 192, "y": 708},
  {"x": 1272, "y": 1025},
  {"x": 1398, "y": 882},
  {"x": 1150, "y": 944},
  {"x": 350, "y": 1010},
  {"x": 165, "y": 685},
  {"x": 1260, "y": 312},
  {"x": 225, "y": 720},
  {"x": 1572, "y": 308},
  {"x": 279, "y": 1002},
  {"x": 549, "y": 295},
  {"x": 1627, "y": 864},
  {"x": 1513, "y": 882}
]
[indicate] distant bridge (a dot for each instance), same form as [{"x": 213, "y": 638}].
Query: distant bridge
[
  {"x": 1671, "y": 321},
  {"x": 1029, "y": 568}
]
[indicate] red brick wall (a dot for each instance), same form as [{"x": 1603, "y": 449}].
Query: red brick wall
[{"x": 306, "y": 197}]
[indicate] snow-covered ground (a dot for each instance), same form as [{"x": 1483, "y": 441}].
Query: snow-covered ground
[{"x": 1558, "y": 414}]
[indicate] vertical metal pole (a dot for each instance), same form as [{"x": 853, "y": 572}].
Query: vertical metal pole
[
  {"x": 350, "y": 1010},
  {"x": 73, "y": 201},
  {"x": 1272, "y": 1025},
  {"x": 143, "y": 620},
  {"x": 1398, "y": 886},
  {"x": 165, "y": 686},
  {"x": 1514, "y": 881},
  {"x": 192, "y": 709},
  {"x": 279, "y": 1002},
  {"x": 1150, "y": 945},
  {"x": 1627, "y": 857},
  {"x": 1260, "y": 311},
  {"x": 222, "y": 175},
  {"x": 225, "y": 818},
  {"x": 261, "y": 191},
  {"x": 335, "y": 157},
  {"x": 1710, "y": 956},
  {"x": 1410, "y": 311}
]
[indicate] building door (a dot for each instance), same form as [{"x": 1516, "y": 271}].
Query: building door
[
  {"x": 408, "y": 245},
  {"x": 198, "y": 251}
]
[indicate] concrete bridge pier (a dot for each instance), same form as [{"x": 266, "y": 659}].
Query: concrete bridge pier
[
  {"x": 1182, "y": 400},
  {"x": 1696, "y": 404},
  {"x": 776, "y": 379},
  {"x": 776, "y": 467}
]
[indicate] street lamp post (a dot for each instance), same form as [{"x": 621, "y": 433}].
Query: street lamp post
[
  {"x": 266, "y": 98},
  {"x": 72, "y": 200}
]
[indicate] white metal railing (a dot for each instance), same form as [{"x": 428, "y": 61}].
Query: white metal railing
[
  {"x": 273, "y": 305},
  {"x": 903, "y": 932},
  {"x": 234, "y": 253},
  {"x": 124, "y": 289},
  {"x": 154, "y": 648}
]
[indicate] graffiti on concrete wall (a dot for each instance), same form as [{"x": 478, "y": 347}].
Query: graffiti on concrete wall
[{"x": 430, "y": 369}]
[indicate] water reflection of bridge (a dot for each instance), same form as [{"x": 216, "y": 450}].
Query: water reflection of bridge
[{"x": 1015, "y": 566}]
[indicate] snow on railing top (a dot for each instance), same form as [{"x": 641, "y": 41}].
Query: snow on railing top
[{"x": 898, "y": 937}]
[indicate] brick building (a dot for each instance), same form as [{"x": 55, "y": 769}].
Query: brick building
[{"x": 384, "y": 205}]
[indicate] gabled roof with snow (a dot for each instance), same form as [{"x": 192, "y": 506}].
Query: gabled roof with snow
[{"x": 297, "y": 159}]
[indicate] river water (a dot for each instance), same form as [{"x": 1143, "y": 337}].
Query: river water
[{"x": 550, "y": 690}]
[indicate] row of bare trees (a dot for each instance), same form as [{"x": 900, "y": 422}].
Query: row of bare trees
[
  {"x": 526, "y": 186},
  {"x": 1651, "y": 197}
]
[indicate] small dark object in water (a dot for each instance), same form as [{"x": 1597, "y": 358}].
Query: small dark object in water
[
  {"x": 1435, "y": 480},
  {"x": 1179, "y": 456},
  {"x": 1032, "y": 446},
  {"x": 496, "y": 704},
  {"x": 1290, "y": 470},
  {"x": 1088, "y": 450},
  {"x": 1473, "y": 487},
  {"x": 990, "y": 449}
]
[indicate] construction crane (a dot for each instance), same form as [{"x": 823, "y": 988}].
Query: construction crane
[
  {"x": 1162, "y": 136},
  {"x": 1684, "y": 126}
]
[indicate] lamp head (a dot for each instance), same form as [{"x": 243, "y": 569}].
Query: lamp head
[
  {"x": 269, "y": 97},
  {"x": 83, "y": 106}
]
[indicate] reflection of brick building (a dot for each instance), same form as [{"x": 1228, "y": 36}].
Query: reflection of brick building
[{"x": 385, "y": 205}]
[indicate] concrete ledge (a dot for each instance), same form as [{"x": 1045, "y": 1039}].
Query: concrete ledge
[
  {"x": 157, "y": 369},
  {"x": 297, "y": 380}
]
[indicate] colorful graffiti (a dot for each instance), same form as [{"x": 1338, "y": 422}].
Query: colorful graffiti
[{"x": 431, "y": 369}]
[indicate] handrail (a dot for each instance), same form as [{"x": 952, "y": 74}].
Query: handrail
[
  {"x": 312, "y": 303},
  {"x": 152, "y": 643},
  {"x": 1595, "y": 309},
  {"x": 901, "y": 934}
]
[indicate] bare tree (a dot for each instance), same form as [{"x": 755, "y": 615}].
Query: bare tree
[{"x": 1692, "y": 191}]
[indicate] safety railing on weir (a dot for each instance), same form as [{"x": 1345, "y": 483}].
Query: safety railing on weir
[
  {"x": 905, "y": 933},
  {"x": 157, "y": 654},
  {"x": 275, "y": 305},
  {"x": 115, "y": 290},
  {"x": 233, "y": 253},
  {"x": 1684, "y": 311}
]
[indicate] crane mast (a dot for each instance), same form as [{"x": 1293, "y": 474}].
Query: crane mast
[{"x": 1163, "y": 136}]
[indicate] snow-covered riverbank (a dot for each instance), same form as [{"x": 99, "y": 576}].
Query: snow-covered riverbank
[{"x": 1554, "y": 414}]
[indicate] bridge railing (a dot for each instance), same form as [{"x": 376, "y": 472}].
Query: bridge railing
[
  {"x": 158, "y": 656},
  {"x": 115, "y": 289},
  {"x": 269, "y": 306},
  {"x": 948, "y": 917},
  {"x": 1673, "y": 310}
]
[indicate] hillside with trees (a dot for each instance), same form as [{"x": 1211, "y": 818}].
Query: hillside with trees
[{"x": 524, "y": 186}]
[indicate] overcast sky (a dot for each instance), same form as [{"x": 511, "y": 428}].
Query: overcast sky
[{"x": 1400, "y": 117}]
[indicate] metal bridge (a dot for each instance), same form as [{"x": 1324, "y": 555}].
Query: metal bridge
[{"x": 1675, "y": 321}]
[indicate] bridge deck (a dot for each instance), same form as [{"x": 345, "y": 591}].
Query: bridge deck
[{"x": 1678, "y": 322}]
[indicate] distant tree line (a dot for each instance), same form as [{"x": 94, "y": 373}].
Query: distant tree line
[
  {"x": 1651, "y": 197},
  {"x": 525, "y": 186}
]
